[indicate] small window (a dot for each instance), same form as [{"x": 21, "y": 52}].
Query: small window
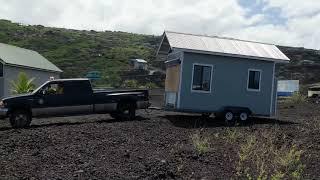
[
  {"x": 254, "y": 78},
  {"x": 202, "y": 78},
  {"x": 1, "y": 70}
]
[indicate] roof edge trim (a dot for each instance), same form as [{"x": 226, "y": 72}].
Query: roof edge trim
[
  {"x": 32, "y": 68},
  {"x": 234, "y": 55}
]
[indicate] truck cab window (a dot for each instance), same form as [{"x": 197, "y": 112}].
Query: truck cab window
[
  {"x": 53, "y": 89},
  {"x": 202, "y": 75}
]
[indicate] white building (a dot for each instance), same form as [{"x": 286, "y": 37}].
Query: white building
[
  {"x": 139, "y": 64},
  {"x": 14, "y": 60}
]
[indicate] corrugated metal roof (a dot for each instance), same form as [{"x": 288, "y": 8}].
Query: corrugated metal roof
[
  {"x": 23, "y": 57},
  {"x": 227, "y": 46}
]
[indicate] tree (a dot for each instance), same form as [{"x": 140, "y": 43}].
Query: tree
[{"x": 23, "y": 84}]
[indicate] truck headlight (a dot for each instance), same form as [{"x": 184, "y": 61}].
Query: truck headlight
[{"x": 1, "y": 104}]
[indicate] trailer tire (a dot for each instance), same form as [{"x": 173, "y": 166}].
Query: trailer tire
[
  {"x": 20, "y": 119},
  {"x": 244, "y": 116},
  {"x": 229, "y": 117}
]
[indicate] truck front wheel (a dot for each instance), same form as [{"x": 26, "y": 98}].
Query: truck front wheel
[
  {"x": 125, "y": 111},
  {"x": 20, "y": 119}
]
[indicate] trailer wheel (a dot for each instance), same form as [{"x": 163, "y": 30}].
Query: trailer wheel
[
  {"x": 229, "y": 118},
  {"x": 125, "y": 111},
  {"x": 20, "y": 119},
  {"x": 243, "y": 116}
]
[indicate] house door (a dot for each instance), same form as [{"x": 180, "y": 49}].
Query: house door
[{"x": 172, "y": 85}]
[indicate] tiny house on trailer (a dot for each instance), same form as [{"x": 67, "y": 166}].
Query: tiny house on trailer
[{"x": 230, "y": 77}]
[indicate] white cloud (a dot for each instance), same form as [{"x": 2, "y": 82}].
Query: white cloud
[
  {"x": 295, "y": 8},
  {"x": 212, "y": 17},
  {"x": 143, "y": 16}
]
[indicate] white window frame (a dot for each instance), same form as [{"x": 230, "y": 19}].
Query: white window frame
[
  {"x": 254, "y": 90},
  {"x": 211, "y": 78}
]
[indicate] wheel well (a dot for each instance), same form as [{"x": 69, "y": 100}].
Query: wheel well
[
  {"x": 237, "y": 110},
  {"x": 128, "y": 101},
  {"x": 26, "y": 109}
]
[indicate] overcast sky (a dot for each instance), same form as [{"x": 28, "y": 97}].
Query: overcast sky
[{"x": 284, "y": 22}]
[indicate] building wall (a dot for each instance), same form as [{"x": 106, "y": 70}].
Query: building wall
[
  {"x": 1, "y": 79},
  {"x": 1, "y": 86},
  {"x": 141, "y": 66},
  {"x": 275, "y": 98},
  {"x": 11, "y": 73},
  {"x": 229, "y": 85}
]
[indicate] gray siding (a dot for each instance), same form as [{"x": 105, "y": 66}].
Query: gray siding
[
  {"x": 11, "y": 73},
  {"x": 229, "y": 84},
  {"x": 1, "y": 86},
  {"x": 274, "y": 103}
]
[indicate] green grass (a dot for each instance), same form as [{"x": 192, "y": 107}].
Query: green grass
[
  {"x": 201, "y": 144},
  {"x": 296, "y": 99},
  {"x": 262, "y": 158}
]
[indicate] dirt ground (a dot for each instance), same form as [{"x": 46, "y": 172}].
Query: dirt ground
[{"x": 155, "y": 146}]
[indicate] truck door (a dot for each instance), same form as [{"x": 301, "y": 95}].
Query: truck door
[
  {"x": 50, "y": 100},
  {"x": 61, "y": 98}
]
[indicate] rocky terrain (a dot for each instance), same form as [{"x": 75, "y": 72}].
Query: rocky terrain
[{"x": 158, "y": 145}]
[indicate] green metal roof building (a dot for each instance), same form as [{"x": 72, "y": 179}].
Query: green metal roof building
[{"x": 14, "y": 60}]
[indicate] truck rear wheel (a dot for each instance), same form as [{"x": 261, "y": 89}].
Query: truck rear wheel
[
  {"x": 20, "y": 119},
  {"x": 125, "y": 111}
]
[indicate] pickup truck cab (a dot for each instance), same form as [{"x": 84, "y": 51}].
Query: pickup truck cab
[{"x": 67, "y": 97}]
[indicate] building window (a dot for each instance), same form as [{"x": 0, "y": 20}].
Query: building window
[
  {"x": 1, "y": 70},
  {"x": 254, "y": 80},
  {"x": 202, "y": 75}
]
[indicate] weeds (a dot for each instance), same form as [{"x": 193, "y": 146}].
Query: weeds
[
  {"x": 296, "y": 98},
  {"x": 201, "y": 144},
  {"x": 232, "y": 135},
  {"x": 261, "y": 158}
]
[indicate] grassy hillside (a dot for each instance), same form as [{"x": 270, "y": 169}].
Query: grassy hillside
[
  {"x": 77, "y": 52},
  {"x": 296, "y": 69}
]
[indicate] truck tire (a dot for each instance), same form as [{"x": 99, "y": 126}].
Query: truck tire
[
  {"x": 229, "y": 117},
  {"x": 125, "y": 111},
  {"x": 20, "y": 119}
]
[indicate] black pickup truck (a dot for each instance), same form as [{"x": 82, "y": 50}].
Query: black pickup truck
[{"x": 66, "y": 97}]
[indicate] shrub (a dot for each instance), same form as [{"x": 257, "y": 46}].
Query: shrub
[
  {"x": 23, "y": 84},
  {"x": 232, "y": 135},
  {"x": 201, "y": 144},
  {"x": 261, "y": 158},
  {"x": 296, "y": 98},
  {"x": 151, "y": 85},
  {"x": 130, "y": 84}
]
